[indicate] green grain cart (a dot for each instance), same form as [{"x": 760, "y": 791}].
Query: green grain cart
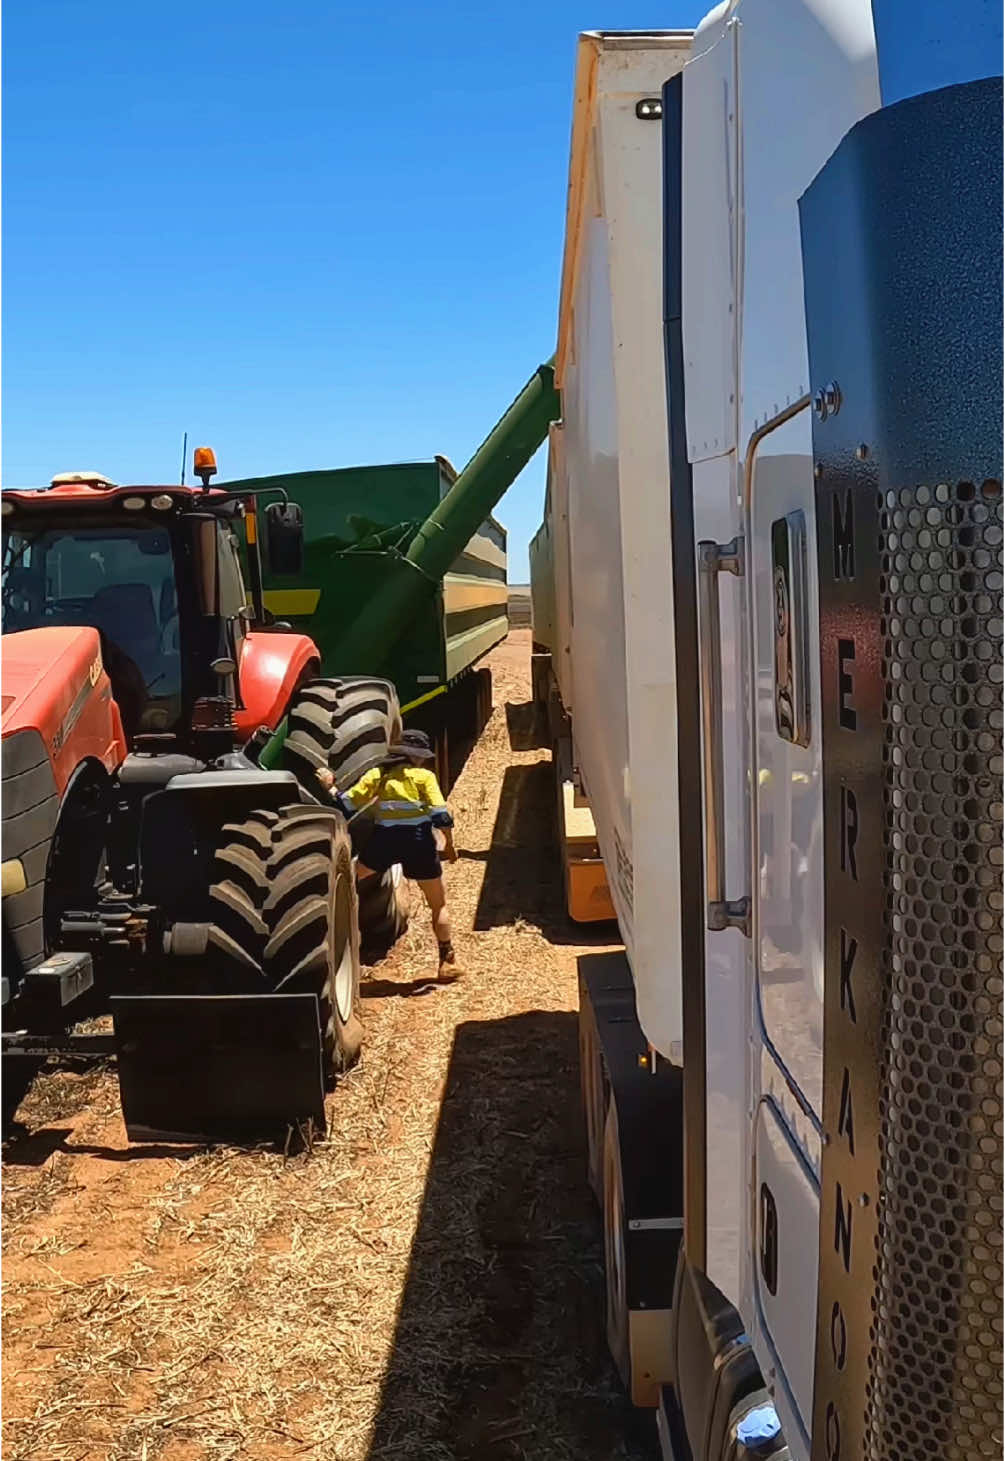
[{"x": 358, "y": 525}]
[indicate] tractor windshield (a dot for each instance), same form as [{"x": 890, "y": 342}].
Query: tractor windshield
[{"x": 119, "y": 579}]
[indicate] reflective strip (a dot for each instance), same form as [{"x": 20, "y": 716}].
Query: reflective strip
[
  {"x": 440, "y": 690},
  {"x": 292, "y": 600}
]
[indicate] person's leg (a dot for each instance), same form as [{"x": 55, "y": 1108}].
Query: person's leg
[{"x": 436, "y": 898}]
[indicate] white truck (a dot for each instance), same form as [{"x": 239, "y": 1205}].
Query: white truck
[{"x": 768, "y": 623}]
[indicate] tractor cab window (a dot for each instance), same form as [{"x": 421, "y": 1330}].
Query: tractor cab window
[
  {"x": 121, "y": 581},
  {"x": 233, "y": 594}
]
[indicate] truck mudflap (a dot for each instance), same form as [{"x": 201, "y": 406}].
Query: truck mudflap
[{"x": 234, "y": 1067}]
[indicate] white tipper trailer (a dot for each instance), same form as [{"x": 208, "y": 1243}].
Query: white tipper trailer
[{"x": 768, "y": 620}]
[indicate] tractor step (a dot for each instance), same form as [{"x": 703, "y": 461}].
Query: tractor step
[{"x": 233, "y": 1067}]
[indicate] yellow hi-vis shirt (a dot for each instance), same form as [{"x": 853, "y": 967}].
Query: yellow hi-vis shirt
[{"x": 400, "y": 796}]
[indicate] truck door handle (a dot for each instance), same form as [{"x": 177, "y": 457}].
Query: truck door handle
[{"x": 713, "y": 559}]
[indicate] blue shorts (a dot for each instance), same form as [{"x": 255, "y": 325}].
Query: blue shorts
[{"x": 413, "y": 847}]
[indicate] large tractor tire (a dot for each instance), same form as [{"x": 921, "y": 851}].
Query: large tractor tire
[
  {"x": 348, "y": 724},
  {"x": 383, "y": 912},
  {"x": 284, "y": 908}
]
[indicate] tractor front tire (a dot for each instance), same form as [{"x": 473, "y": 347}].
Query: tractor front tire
[
  {"x": 285, "y": 916},
  {"x": 312, "y": 915}
]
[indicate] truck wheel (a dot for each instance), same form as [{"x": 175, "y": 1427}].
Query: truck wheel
[
  {"x": 615, "y": 1266},
  {"x": 313, "y": 930},
  {"x": 593, "y": 1083}
]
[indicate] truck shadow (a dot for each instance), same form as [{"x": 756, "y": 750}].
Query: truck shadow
[
  {"x": 499, "y": 1352},
  {"x": 524, "y": 876}
]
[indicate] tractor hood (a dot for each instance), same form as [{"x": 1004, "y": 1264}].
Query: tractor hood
[
  {"x": 41, "y": 667},
  {"x": 55, "y": 687}
]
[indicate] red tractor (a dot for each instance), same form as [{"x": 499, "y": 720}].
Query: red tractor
[{"x": 151, "y": 865}]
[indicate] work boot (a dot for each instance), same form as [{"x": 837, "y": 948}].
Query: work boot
[{"x": 450, "y": 970}]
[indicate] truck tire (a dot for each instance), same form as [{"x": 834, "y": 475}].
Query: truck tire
[
  {"x": 284, "y": 913},
  {"x": 615, "y": 1264},
  {"x": 595, "y": 1093}
]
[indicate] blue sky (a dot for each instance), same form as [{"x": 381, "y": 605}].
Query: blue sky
[{"x": 310, "y": 235}]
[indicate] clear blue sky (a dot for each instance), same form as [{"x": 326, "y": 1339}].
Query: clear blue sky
[{"x": 309, "y": 234}]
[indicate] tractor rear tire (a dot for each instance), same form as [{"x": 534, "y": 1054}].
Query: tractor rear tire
[
  {"x": 348, "y": 724},
  {"x": 383, "y": 912},
  {"x": 285, "y": 916}
]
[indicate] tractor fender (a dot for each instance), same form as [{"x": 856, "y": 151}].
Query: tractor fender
[
  {"x": 271, "y": 668},
  {"x": 56, "y": 685}
]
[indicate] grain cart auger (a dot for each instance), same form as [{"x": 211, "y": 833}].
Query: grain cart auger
[
  {"x": 371, "y": 605},
  {"x": 151, "y": 868}
]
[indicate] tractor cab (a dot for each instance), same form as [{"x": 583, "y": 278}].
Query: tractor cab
[{"x": 157, "y": 571}]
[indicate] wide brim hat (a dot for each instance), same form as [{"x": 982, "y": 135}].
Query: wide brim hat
[{"x": 413, "y": 746}]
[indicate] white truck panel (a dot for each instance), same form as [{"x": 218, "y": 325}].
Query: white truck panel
[
  {"x": 709, "y": 251},
  {"x": 611, "y": 373},
  {"x": 792, "y": 76},
  {"x": 558, "y": 484},
  {"x": 808, "y": 73}
]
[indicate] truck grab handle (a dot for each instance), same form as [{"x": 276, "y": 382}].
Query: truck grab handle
[{"x": 713, "y": 559}]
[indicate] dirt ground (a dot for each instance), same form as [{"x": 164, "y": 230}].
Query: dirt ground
[{"x": 425, "y": 1284}]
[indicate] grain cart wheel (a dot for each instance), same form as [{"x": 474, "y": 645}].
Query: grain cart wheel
[
  {"x": 615, "y": 1265},
  {"x": 313, "y": 929}
]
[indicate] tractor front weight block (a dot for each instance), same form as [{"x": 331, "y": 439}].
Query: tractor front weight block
[{"x": 236, "y": 1067}]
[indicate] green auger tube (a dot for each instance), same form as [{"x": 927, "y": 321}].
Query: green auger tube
[{"x": 370, "y": 636}]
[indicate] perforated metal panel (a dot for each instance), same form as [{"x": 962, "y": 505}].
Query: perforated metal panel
[
  {"x": 902, "y": 262},
  {"x": 935, "y": 1362}
]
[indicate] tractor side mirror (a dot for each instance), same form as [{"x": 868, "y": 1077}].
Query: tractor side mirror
[{"x": 284, "y": 534}]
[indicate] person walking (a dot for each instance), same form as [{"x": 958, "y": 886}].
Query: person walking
[{"x": 409, "y": 814}]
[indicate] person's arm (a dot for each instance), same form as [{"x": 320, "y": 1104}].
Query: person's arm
[
  {"x": 356, "y": 798},
  {"x": 439, "y": 814}
]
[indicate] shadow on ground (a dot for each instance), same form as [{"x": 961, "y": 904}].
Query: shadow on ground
[
  {"x": 524, "y": 876},
  {"x": 499, "y": 1353}
]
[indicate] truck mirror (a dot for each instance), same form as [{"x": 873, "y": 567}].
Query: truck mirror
[{"x": 284, "y": 533}]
